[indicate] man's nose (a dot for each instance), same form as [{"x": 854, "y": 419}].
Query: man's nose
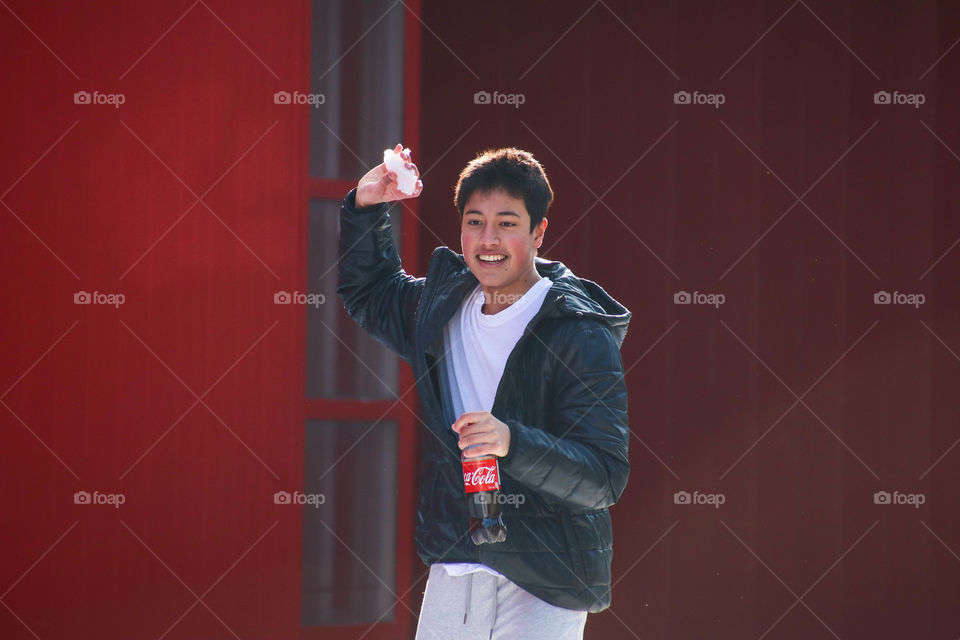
[{"x": 489, "y": 236}]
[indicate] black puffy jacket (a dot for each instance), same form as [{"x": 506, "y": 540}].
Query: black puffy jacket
[{"x": 562, "y": 394}]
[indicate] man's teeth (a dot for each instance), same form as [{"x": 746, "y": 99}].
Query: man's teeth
[{"x": 496, "y": 258}]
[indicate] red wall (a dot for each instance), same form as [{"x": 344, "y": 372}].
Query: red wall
[
  {"x": 699, "y": 186},
  {"x": 106, "y": 399}
]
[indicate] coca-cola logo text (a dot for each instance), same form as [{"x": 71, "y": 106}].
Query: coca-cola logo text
[{"x": 481, "y": 475}]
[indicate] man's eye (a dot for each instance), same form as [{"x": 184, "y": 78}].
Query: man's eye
[{"x": 509, "y": 224}]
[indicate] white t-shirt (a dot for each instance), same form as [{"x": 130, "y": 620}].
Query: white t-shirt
[{"x": 477, "y": 347}]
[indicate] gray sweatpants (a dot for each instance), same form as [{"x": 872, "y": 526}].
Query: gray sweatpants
[{"x": 481, "y": 606}]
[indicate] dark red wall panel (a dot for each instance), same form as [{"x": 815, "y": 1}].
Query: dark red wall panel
[{"x": 798, "y": 199}]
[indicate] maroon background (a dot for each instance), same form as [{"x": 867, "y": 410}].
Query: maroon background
[
  {"x": 96, "y": 387},
  {"x": 799, "y": 299}
]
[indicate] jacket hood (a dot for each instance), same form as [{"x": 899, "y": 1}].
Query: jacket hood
[
  {"x": 585, "y": 297},
  {"x": 571, "y": 294}
]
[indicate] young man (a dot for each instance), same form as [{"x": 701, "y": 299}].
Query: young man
[{"x": 514, "y": 356}]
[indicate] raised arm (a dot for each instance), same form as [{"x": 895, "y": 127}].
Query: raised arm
[{"x": 376, "y": 292}]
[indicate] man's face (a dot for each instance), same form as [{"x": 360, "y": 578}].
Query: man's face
[{"x": 496, "y": 225}]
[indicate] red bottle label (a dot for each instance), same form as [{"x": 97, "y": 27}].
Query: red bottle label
[{"x": 481, "y": 474}]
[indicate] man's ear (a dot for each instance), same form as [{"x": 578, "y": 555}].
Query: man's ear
[{"x": 538, "y": 231}]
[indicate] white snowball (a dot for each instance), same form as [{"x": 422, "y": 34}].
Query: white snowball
[{"x": 406, "y": 178}]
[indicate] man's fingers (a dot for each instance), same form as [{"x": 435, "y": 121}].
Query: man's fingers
[
  {"x": 476, "y": 429},
  {"x": 476, "y": 439},
  {"x": 468, "y": 418}
]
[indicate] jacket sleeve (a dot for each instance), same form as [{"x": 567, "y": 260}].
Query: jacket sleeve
[
  {"x": 581, "y": 459},
  {"x": 376, "y": 292}
]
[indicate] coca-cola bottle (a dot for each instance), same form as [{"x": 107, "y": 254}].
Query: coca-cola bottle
[{"x": 481, "y": 480}]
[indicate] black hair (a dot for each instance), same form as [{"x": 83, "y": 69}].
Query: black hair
[{"x": 514, "y": 171}]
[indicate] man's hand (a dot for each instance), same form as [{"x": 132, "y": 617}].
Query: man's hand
[
  {"x": 483, "y": 433},
  {"x": 380, "y": 185}
]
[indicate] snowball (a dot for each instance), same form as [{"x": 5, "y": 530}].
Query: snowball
[{"x": 406, "y": 178}]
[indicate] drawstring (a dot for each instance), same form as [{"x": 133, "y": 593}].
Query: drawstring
[
  {"x": 496, "y": 601},
  {"x": 469, "y": 589}
]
